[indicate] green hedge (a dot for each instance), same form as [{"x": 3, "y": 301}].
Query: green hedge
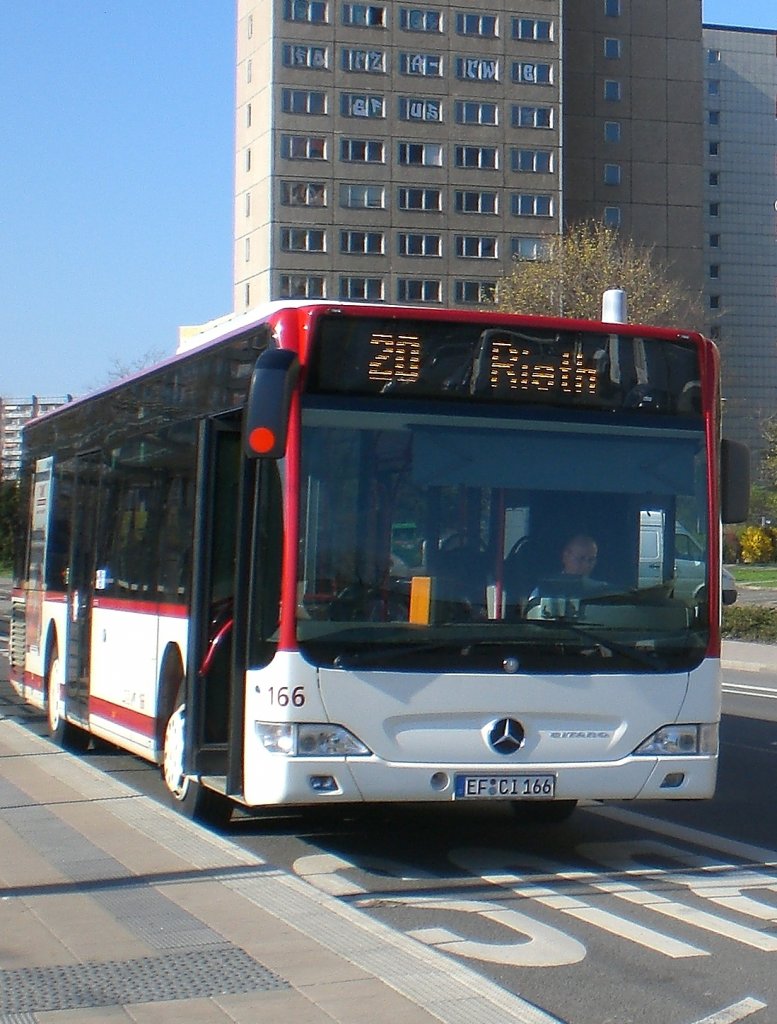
[{"x": 756, "y": 622}]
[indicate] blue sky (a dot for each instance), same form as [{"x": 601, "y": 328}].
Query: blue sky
[{"x": 116, "y": 180}]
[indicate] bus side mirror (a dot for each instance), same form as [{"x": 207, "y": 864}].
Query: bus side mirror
[
  {"x": 266, "y": 418},
  {"x": 734, "y": 482}
]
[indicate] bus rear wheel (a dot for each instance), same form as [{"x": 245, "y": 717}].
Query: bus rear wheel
[
  {"x": 187, "y": 795},
  {"x": 65, "y": 735}
]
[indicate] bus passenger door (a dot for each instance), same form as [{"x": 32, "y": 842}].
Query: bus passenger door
[
  {"x": 209, "y": 669},
  {"x": 80, "y": 583}
]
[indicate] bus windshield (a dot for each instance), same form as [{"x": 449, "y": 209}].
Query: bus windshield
[{"x": 437, "y": 537}]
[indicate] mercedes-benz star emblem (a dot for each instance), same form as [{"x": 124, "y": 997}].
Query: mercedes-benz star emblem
[{"x": 506, "y": 736}]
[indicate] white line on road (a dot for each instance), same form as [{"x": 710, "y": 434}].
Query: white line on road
[
  {"x": 750, "y": 690},
  {"x": 738, "y": 1011}
]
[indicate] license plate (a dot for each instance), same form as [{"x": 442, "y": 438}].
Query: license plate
[{"x": 505, "y": 787}]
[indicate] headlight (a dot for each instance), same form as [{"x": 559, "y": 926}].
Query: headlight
[
  {"x": 310, "y": 739},
  {"x": 681, "y": 741}
]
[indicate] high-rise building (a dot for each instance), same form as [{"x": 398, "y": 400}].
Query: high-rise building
[
  {"x": 740, "y": 221},
  {"x": 409, "y": 152},
  {"x": 14, "y": 413}
]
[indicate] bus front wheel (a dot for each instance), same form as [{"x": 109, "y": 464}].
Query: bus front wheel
[{"x": 187, "y": 795}]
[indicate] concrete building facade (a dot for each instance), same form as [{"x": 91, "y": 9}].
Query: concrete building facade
[
  {"x": 740, "y": 221},
  {"x": 410, "y": 152},
  {"x": 14, "y": 413}
]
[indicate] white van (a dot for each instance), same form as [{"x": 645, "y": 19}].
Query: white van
[{"x": 689, "y": 561}]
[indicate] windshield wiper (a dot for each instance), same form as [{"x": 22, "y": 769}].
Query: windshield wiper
[
  {"x": 604, "y": 646},
  {"x": 372, "y": 656}
]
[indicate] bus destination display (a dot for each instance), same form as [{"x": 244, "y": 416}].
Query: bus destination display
[{"x": 442, "y": 360}]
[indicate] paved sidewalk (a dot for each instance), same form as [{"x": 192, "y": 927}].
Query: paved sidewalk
[
  {"x": 115, "y": 909},
  {"x": 749, "y": 657}
]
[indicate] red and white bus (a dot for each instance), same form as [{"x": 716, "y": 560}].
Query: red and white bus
[{"x": 317, "y": 559}]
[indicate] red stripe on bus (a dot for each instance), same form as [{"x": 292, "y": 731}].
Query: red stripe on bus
[
  {"x": 168, "y": 611},
  {"x": 125, "y": 717}
]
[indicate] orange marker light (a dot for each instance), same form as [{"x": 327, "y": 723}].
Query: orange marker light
[{"x": 261, "y": 440}]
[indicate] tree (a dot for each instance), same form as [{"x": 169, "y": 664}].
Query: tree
[
  {"x": 9, "y": 505},
  {"x": 578, "y": 266}
]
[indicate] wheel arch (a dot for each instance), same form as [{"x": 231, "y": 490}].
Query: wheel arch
[{"x": 172, "y": 673}]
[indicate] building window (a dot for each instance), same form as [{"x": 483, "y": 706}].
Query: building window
[
  {"x": 714, "y": 148},
  {"x": 612, "y": 90},
  {"x": 476, "y": 247},
  {"x": 471, "y": 201},
  {"x": 303, "y": 240},
  {"x": 714, "y": 302},
  {"x": 713, "y": 56},
  {"x": 713, "y": 178},
  {"x": 361, "y": 288},
  {"x": 476, "y": 25},
  {"x": 303, "y": 101},
  {"x": 363, "y": 197},
  {"x": 247, "y": 250},
  {"x": 477, "y": 69},
  {"x": 475, "y": 292},
  {"x": 301, "y": 286},
  {"x": 422, "y": 199},
  {"x": 364, "y": 15},
  {"x": 612, "y": 174},
  {"x": 529, "y": 204},
  {"x": 362, "y": 151},
  {"x": 247, "y": 159},
  {"x": 532, "y": 117},
  {"x": 713, "y": 117},
  {"x": 303, "y": 147},
  {"x": 414, "y": 109},
  {"x": 423, "y": 65},
  {"x": 473, "y": 112},
  {"x": 418, "y": 244},
  {"x": 612, "y": 131},
  {"x": 249, "y": 71},
  {"x": 528, "y": 247},
  {"x": 296, "y": 55},
  {"x": 612, "y": 48},
  {"x": 534, "y": 161},
  {"x": 714, "y": 240},
  {"x": 362, "y": 243},
  {"x": 303, "y": 193},
  {"x": 410, "y": 289},
  {"x": 713, "y": 87},
  {"x": 714, "y": 209},
  {"x": 305, "y": 10},
  {"x": 420, "y": 19},
  {"x": 484, "y": 158},
  {"x": 420, "y": 154},
  {"x": 372, "y": 62},
  {"x": 537, "y": 29},
  {"x": 527, "y": 73},
  {"x": 612, "y": 8},
  {"x": 248, "y": 204},
  {"x": 362, "y": 105},
  {"x": 714, "y": 271},
  {"x": 612, "y": 216}
]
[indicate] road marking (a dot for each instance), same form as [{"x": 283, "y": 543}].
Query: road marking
[
  {"x": 738, "y": 1011},
  {"x": 483, "y": 862},
  {"x": 749, "y": 690},
  {"x": 760, "y": 855}
]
